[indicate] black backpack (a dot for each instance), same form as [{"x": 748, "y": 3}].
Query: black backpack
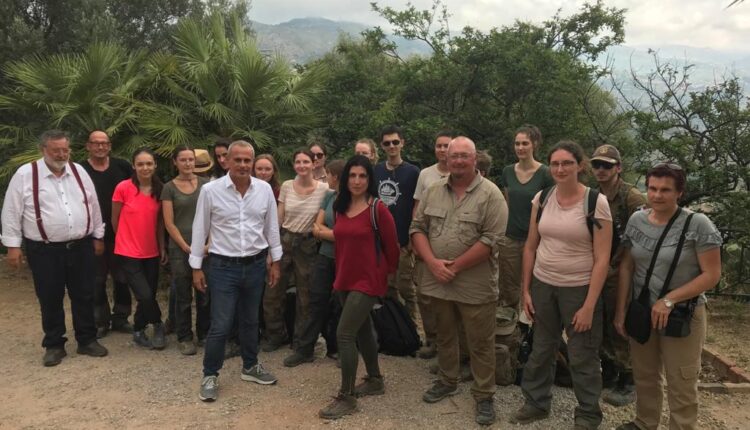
[
  {"x": 589, "y": 207},
  {"x": 397, "y": 333}
]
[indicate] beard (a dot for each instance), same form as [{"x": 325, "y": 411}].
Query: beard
[{"x": 56, "y": 165}]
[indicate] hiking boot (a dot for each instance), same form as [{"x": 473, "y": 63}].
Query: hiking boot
[
  {"x": 159, "y": 341},
  {"x": 101, "y": 331},
  {"x": 140, "y": 339},
  {"x": 438, "y": 392},
  {"x": 297, "y": 358},
  {"x": 528, "y": 414},
  {"x": 485, "y": 412},
  {"x": 258, "y": 374},
  {"x": 53, "y": 356},
  {"x": 209, "y": 388},
  {"x": 628, "y": 426},
  {"x": 624, "y": 393},
  {"x": 93, "y": 349},
  {"x": 122, "y": 327},
  {"x": 370, "y": 386},
  {"x": 341, "y": 405},
  {"x": 428, "y": 351},
  {"x": 187, "y": 347},
  {"x": 272, "y": 346}
]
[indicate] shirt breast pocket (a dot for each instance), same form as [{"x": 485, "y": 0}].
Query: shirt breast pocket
[
  {"x": 469, "y": 228},
  {"x": 436, "y": 218}
]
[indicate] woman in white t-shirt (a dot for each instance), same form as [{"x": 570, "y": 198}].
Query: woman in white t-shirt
[
  {"x": 299, "y": 202},
  {"x": 565, "y": 263}
]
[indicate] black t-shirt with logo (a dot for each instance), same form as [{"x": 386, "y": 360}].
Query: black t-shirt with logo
[
  {"x": 105, "y": 183},
  {"x": 396, "y": 189}
]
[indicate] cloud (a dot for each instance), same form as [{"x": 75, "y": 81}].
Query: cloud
[{"x": 698, "y": 23}]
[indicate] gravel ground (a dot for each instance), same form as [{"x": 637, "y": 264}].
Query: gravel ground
[{"x": 134, "y": 388}]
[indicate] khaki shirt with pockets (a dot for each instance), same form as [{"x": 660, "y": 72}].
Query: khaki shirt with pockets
[{"x": 452, "y": 227}]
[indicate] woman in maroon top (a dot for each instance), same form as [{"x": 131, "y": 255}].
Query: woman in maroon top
[{"x": 361, "y": 278}]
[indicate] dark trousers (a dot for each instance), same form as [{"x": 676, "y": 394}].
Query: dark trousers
[
  {"x": 182, "y": 279},
  {"x": 54, "y": 268},
  {"x": 235, "y": 288},
  {"x": 555, "y": 307},
  {"x": 142, "y": 275},
  {"x": 107, "y": 265},
  {"x": 356, "y": 334},
  {"x": 319, "y": 310}
]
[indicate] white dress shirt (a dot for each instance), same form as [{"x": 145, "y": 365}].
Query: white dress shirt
[
  {"x": 61, "y": 204},
  {"x": 239, "y": 226}
]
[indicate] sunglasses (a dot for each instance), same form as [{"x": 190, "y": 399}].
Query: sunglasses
[
  {"x": 391, "y": 142},
  {"x": 667, "y": 165},
  {"x": 318, "y": 155},
  {"x": 597, "y": 164}
]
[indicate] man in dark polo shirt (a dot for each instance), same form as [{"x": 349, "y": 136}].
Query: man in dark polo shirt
[
  {"x": 396, "y": 180},
  {"x": 106, "y": 172}
]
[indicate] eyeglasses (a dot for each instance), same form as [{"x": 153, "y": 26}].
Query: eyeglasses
[
  {"x": 667, "y": 165},
  {"x": 460, "y": 155},
  {"x": 597, "y": 164},
  {"x": 564, "y": 164},
  {"x": 318, "y": 155},
  {"x": 395, "y": 142}
]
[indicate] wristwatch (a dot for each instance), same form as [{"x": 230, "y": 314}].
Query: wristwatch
[{"x": 668, "y": 303}]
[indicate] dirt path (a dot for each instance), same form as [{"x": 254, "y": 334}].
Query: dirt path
[{"x": 133, "y": 388}]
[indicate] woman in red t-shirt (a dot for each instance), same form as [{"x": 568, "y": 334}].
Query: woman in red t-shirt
[
  {"x": 361, "y": 278},
  {"x": 139, "y": 243}
]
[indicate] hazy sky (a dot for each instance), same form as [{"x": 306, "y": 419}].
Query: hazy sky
[{"x": 699, "y": 23}]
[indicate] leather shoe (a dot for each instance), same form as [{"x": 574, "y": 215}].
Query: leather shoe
[
  {"x": 53, "y": 356},
  {"x": 93, "y": 349}
]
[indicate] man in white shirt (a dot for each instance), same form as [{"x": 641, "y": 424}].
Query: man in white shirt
[
  {"x": 239, "y": 214},
  {"x": 51, "y": 207}
]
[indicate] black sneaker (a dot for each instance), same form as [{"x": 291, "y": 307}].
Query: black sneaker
[
  {"x": 485, "y": 412},
  {"x": 140, "y": 339},
  {"x": 93, "y": 349},
  {"x": 296, "y": 358},
  {"x": 438, "y": 392},
  {"x": 53, "y": 356},
  {"x": 159, "y": 341}
]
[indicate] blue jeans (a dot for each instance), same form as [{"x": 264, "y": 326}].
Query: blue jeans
[{"x": 233, "y": 287}]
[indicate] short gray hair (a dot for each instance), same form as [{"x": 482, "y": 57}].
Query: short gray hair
[
  {"x": 241, "y": 144},
  {"x": 52, "y": 135}
]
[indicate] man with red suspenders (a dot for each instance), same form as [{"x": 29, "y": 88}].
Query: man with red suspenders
[{"x": 51, "y": 206}]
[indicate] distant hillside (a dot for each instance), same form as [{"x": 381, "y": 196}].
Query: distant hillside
[{"x": 304, "y": 39}]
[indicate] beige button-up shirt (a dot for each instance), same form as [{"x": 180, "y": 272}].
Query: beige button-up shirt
[{"x": 452, "y": 227}]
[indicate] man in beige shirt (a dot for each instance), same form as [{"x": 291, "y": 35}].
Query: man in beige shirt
[{"x": 456, "y": 230}]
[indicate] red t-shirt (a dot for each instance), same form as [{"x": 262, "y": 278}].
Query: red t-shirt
[
  {"x": 356, "y": 263},
  {"x": 136, "y": 232}
]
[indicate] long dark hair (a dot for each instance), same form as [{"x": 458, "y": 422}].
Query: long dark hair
[
  {"x": 274, "y": 182},
  {"x": 220, "y": 142},
  {"x": 156, "y": 184},
  {"x": 577, "y": 152},
  {"x": 344, "y": 198}
]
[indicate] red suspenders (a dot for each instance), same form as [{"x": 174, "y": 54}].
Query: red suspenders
[{"x": 35, "y": 192}]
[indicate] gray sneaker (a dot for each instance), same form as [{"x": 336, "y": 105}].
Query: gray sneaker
[
  {"x": 438, "y": 392},
  {"x": 258, "y": 374},
  {"x": 209, "y": 388}
]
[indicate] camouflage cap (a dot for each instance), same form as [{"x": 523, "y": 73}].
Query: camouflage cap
[
  {"x": 506, "y": 320},
  {"x": 607, "y": 153}
]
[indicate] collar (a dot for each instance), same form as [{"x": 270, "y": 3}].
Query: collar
[
  {"x": 44, "y": 170},
  {"x": 228, "y": 183}
]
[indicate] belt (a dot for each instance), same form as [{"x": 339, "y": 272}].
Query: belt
[
  {"x": 241, "y": 260},
  {"x": 302, "y": 235},
  {"x": 70, "y": 244}
]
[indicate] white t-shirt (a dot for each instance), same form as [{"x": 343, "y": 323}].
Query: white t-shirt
[
  {"x": 300, "y": 211},
  {"x": 427, "y": 177},
  {"x": 565, "y": 255}
]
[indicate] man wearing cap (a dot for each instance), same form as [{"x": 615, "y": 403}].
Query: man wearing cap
[
  {"x": 624, "y": 199},
  {"x": 456, "y": 231},
  {"x": 106, "y": 172},
  {"x": 51, "y": 207}
]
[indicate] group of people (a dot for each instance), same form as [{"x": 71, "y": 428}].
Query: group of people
[{"x": 473, "y": 261}]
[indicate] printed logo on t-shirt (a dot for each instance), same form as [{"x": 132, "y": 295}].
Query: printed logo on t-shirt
[{"x": 389, "y": 192}]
